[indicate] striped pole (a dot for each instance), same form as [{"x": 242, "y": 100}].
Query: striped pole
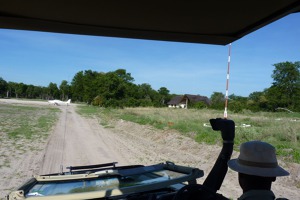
[{"x": 227, "y": 83}]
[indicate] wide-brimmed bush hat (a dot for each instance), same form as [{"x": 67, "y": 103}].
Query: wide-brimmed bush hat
[{"x": 257, "y": 158}]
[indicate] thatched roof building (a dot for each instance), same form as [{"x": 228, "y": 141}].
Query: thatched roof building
[{"x": 183, "y": 100}]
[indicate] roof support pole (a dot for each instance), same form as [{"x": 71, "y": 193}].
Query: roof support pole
[{"x": 227, "y": 83}]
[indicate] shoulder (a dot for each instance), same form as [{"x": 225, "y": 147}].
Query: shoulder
[{"x": 258, "y": 195}]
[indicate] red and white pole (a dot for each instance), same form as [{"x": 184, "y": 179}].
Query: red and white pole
[{"x": 227, "y": 83}]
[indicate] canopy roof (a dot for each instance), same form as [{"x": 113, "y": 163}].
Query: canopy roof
[{"x": 211, "y": 22}]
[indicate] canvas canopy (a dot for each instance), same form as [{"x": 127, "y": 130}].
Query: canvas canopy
[{"x": 211, "y": 22}]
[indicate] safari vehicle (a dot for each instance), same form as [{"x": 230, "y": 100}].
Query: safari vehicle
[
  {"x": 209, "y": 22},
  {"x": 107, "y": 181}
]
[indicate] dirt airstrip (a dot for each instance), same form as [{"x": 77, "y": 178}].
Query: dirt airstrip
[{"x": 76, "y": 140}]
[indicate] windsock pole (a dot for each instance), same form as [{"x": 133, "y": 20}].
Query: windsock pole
[{"x": 227, "y": 83}]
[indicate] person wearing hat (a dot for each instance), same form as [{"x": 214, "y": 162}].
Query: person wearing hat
[{"x": 257, "y": 168}]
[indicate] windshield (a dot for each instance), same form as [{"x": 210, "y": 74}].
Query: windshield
[{"x": 106, "y": 183}]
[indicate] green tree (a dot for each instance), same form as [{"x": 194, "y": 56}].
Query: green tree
[
  {"x": 44, "y": 92},
  {"x": 164, "y": 95},
  {"x": 20, "y": 89},
  {"x": 77, "y": 86},
  {"x": 286, "y": 85},
  {"x": 110, "y": 86},
  {"x": 12, "y": 88},
  {"x": 3, "y": 87},
  {"x": 115, "y": 89},
  {"x": 146, "y": 94},
  {"x": 89, "y": 86},
  {"x": 217, "y": 100},
  {"x": 53, "y": 91},
  {"x": 237, "y": 103},
  {"x": 30, "y": 92},
  {"x": 198, "y": 105},
  {"x": 257, "y": 101},
  {"x": 124, "y": 75},
  {"x": 64, "y": 89},
  {"x": 40, "y": 92}
]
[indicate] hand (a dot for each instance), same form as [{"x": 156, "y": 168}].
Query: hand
[{"x": 227, "y": 128}]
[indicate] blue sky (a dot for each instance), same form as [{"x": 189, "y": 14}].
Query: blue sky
[{"x": 40, "y": 58}]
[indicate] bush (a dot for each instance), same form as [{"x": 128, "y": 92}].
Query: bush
[
  {"x": 198, "y": 105},
  {"x": 98, "y": 101}
]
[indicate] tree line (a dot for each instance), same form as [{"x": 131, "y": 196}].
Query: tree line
[
  {"x": 284, "y": 93},
  {"x": 111, "y": 89},
  {"x": 117, "y": 89}
]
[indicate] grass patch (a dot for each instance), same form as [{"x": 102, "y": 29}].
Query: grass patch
[
  {"x": 279, "y": 129},
  {"x": 104, "y": 115},
  {"x": 26, "y": 121},
  {"x": 87, "y": 110},
  {"x": 23, "y": 129}
]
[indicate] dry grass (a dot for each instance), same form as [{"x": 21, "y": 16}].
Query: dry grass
[
  {"x": 20, "y": 126},
  {"x": 279, "y": 129}
]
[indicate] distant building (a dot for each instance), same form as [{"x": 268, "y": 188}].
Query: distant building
[{"x": 183, "y": 100}]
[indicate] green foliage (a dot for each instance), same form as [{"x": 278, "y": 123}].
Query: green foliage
[
  {"x": 257, "y": 101},
  {"x": 21, "y": 90},
  {"x": 285, "y": 90},
  {"x": 77, "y": 86},
  {"x": 116, "y": 89},
  {"x": 98, "y": 101},
  {"x": 208, "y": 137},
  {"x": 217, "y": 100},
  {"x": 3, "y": 87},
  {"x": 283, "y": 93},
  {"x": 64, "y": 89},
  {"x": 87, "y": 110},
  {"x": 164, "y": 96},
  {"x": 198, "y": 105},
  {"x": 237, "y": 103},
  {"x": 53, "y": 91},
  {"x": 144, "y": 120},
  {"x": 130, "y": 102}
]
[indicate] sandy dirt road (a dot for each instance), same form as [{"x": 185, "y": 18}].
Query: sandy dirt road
[{"x": 76, "y": 140}]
